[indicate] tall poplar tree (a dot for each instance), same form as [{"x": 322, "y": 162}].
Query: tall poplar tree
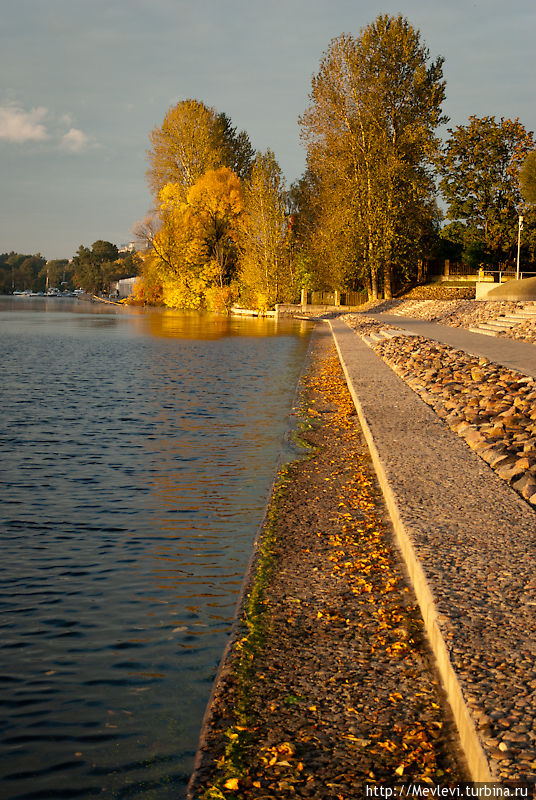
[
  {"x": 370, "y": 136},
  {"x": 264, "y": 263}
]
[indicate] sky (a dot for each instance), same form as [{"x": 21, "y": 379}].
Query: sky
[{"x": 83, "y": 82}]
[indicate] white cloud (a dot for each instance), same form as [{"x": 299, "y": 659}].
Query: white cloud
[
  {"x": 38, "y": 125},
  {"x": 74, "y": 140},
  {"x": 17, "y": 125}
]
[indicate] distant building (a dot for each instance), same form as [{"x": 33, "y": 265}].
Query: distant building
[
  {"x": 123, "y": 288},
  {"x": 127, "y": 248}
]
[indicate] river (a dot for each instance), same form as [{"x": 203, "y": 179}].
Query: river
[{"x": 137, "y": 451}]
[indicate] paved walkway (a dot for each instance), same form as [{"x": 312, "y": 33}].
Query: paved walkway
[
  {"x": 469, "y": 544},
  {"x": 509, "y": 352}
]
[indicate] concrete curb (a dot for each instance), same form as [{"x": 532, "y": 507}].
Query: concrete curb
[{"x": 470, "y": 741}]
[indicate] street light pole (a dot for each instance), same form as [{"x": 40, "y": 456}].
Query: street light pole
[{"x": 519, "y": 229}]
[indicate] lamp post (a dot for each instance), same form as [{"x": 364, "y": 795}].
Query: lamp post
[{"x": 519, "y": 229}]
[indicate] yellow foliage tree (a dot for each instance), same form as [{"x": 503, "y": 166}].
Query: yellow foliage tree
[
  {"x": 148, "y": 287},
  {"x": 266, "y": 274},
  {"x": 195, "y": 246},
  {"x": 371, "y": 142},
  {"x": 193, "y": 139}
]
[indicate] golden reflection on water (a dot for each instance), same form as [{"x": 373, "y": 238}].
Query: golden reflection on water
[{"x": 173, "y": 324}]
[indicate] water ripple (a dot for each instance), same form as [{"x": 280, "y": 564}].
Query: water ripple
[{"x": 135, "y": 460}]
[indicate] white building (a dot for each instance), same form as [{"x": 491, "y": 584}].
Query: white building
[{"x": 124, "y": 287}]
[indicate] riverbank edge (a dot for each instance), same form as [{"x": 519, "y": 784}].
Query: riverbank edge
[
  {"x": 476, "y": 759},
  {"x": 204, "y": 754}
]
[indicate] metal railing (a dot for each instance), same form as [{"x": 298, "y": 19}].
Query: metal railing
[{"x": 508, "y": 273}]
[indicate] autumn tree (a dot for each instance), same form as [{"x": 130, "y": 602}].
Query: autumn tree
[
  {"x": 148, "y": 289},
  {"x": 480, "y": 183},
  {"x": 370, "y": 137},
  {"x": 265, "y": 265},
  {"x": 193, "y": 139},
  {"x": 195, "y": 246},
  {"x": 215, "y": 201}
]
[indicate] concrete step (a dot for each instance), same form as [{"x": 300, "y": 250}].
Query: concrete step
[
  {"x": 377, "y": 337},
  {"x": 501, "y": 323},
  {"x": 485, "y": 331},
  {"x": 398, "y": 332}
]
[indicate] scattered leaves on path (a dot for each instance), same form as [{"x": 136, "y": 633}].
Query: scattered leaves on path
[{"x": 331, "y": 686}]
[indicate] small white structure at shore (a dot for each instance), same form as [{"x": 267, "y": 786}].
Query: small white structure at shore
[{"x": 123, "y": 288}]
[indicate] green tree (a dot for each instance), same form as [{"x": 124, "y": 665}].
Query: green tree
[
  {"x": 21, "y": 271},
  {"x": 56, "y": 271},
  {"x": 238, "y": 153},
  {"x": 95, "y": 268},
  {"x": 266, "y": 273},
  {"x": 527, "y": 178},
  {"x": 29, "y": 272},
  {"x": 103, "y": 252},
  {"x": 480, "y": 184},
  {"x": 370, "y": 136},
  {"x": 193, "y": 139},
  {"x": 87, "y": 273}
]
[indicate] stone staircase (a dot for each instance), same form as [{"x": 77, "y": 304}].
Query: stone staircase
[
  {"x": 506, "y": 321},
  {"x": 386, "y": 333}
]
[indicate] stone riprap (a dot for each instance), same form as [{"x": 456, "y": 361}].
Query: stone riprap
[
  {"x": 461, "y": 313},
  {"x": 471, "y": 536},
  {"x": 491, "y": 407}
]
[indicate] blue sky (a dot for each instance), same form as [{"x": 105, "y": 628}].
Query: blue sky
[{"x": 83, "y": 82}]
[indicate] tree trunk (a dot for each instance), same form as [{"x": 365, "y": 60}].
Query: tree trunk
[
  {"x": 387, "y": 280},
  {"x": 373, "y": 292}
]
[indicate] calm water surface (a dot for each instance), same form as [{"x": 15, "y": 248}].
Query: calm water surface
[{"x": 137, "y": 451}]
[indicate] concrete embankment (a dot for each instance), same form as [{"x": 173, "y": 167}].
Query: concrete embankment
[{"x": 468, "y": 541}]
